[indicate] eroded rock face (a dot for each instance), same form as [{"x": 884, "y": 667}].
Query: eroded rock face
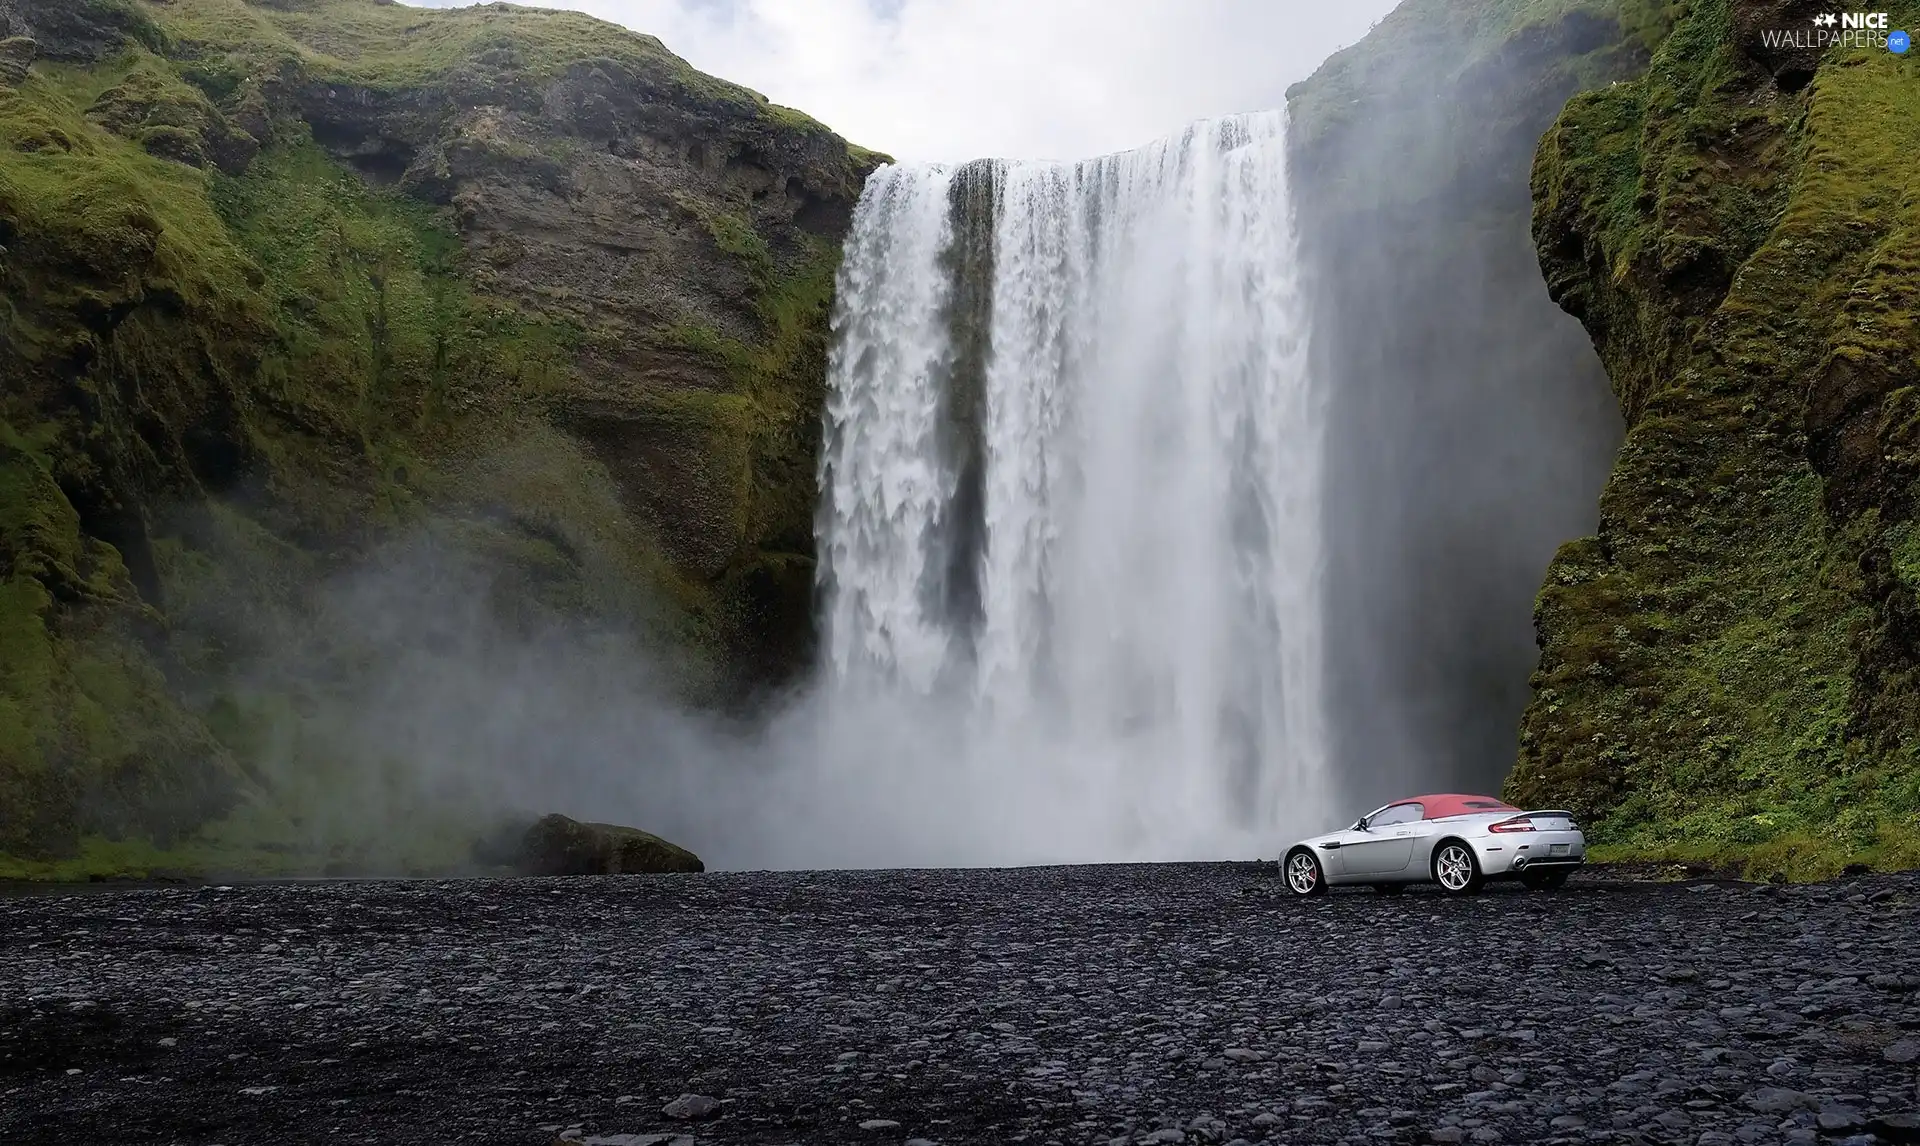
[
  {"x": 528, "y": 287},
  {"x": 77, "y": 31},
  {"x": 691, "y": 239},
  {"x": 1737, "y": 644}
]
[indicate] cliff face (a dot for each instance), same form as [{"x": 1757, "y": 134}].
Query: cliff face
[
  {"x": 1729, "y": 664},
  {"x": 288, "y": 282},
  {"x": 1470, "y": 426}
]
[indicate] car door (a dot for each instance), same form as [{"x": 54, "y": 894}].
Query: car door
[
  {"x": 1333, "y": 850},
  {"x": 1385, "y": 845}
]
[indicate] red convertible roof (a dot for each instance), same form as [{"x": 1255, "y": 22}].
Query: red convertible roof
[{"x": 1454, "y": 804}]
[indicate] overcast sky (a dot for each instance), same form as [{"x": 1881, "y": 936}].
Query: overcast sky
[{"x": 1030, "y": 79}]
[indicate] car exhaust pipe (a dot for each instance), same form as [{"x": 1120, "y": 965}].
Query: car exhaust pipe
[{"x": 1519, "y": 863}]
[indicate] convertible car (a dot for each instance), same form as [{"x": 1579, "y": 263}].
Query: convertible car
[{"x": 1458, "y": 842}]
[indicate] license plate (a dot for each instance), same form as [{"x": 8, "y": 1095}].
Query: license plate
[{"x": 1558, "y": 849}]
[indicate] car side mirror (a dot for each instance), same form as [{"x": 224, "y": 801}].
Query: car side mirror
[{"x": 1360, "y": 825}]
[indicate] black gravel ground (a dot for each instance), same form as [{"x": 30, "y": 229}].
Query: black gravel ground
[{"x": 1074, "y": 1005}]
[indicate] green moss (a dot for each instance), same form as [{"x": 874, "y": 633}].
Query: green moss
[
  {"x": 249, "y": 368},
  {"x": 782, "y": 378},
  {"x": 323, "y": 330},
  {"x": 1766, "y": 849},
  {"x": 1723, "y": 670},
  {"x": 90, "y": 739}
]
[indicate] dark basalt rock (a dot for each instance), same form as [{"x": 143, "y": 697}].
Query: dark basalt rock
[
  {"x": 557, "y": 845},
  {"x": 77, "y": 31}
]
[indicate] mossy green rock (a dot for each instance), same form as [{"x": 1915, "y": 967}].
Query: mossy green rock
[
  {"x": 556, "y": 845},
  {"x": 288, "y": 282},
  {"x": 1732, "y": 664}
]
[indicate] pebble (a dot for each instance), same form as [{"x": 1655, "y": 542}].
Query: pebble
[
  {"x": 691, "y": 1107},
  {"x": 1188, "y": 1004}
]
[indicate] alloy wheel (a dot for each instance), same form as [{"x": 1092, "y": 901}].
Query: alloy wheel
[
  {"x": 1303, "y": 873},
  {"x": 1454, "y": 868}
]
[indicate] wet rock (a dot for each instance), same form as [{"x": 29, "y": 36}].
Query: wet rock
[
  {"x": 557, "y": 845},
  {"x": 1776, "y": 1100},
  {"x": 691, "y": 1108}
]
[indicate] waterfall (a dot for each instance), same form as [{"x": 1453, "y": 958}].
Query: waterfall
[{"x": 1070, "y": 498}]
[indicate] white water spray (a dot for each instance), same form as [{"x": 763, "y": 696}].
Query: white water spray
[{"x": 1070, "y": 507}]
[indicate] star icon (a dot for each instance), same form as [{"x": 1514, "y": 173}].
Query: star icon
[{"x": 1825, "y": 20}]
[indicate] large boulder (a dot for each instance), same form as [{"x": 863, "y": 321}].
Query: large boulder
[
  {"x": 558, "y": 845},
  {"x": 16, "y": 56}
]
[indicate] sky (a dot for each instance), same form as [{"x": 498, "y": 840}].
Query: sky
[{"x": 1022, "y": 79}]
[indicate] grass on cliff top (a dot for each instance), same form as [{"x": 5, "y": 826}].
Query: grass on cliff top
[
  {"x": 115, "y": 211},
  {"x": 393, "y": 47}
]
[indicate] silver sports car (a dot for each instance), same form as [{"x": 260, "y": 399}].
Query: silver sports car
[{"x": 1458, "y": 842}]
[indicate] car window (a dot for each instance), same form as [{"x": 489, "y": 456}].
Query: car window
[{"x": 1397, "y": 814}]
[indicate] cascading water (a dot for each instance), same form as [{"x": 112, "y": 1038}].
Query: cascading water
[{"x": 1070, "y": 502}]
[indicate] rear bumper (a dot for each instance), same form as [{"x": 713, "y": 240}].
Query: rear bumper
[
  {"x": 1533, "y": 851},
  {"x": 1545, "y": 863}
]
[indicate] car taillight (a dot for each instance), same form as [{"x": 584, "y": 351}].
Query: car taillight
[{"x": 1511, "y": 826}]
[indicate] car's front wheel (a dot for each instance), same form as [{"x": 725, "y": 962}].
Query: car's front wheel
[
  {"x": 1455, "y": 869},
  {"x": 1304, "y": 876}
]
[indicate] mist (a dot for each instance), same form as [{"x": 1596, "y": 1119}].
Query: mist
[
  {"x": 418, "y": 700},
  {"x": 1070, "y": 597},
  {"x": 1471, "y": 426}
]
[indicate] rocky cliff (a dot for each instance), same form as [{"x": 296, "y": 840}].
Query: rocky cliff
[
  {"x": 1731, "y": 665},
  {"x": 292, "y": 284}
]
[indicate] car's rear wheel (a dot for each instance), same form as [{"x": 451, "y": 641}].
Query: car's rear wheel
[
  {"x": 1544, "y": 880},
  {"x": 1304, "y": 877},
  {"x": 1455, "y": 869}
]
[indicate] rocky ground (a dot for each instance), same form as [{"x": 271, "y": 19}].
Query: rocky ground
[{"x": 1081, "y": 1005}]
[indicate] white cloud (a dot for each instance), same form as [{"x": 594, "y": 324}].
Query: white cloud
[{"x": 957, "y": 79}]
